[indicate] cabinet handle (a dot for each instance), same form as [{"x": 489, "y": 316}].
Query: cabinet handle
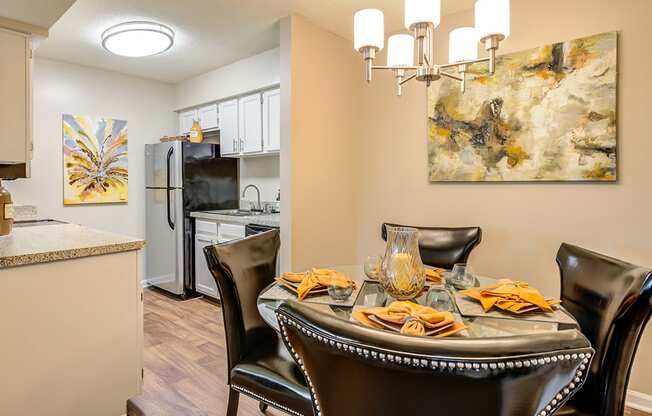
[{"x": 235, "y": 148}]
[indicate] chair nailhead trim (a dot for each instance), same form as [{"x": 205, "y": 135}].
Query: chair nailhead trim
[
  {"x": 266, "y": 400},
  {"x": 452, "y": 365}
]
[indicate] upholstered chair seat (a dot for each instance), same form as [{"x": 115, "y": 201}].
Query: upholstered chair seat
[
  {"x": 612, "y": 301},
  {"x": 259, "y": 365},
  {"x": 354, "y": 370}
]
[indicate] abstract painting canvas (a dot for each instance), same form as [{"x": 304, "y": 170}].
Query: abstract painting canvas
[
  {"x": 95, "y": 160},
  {"x": 548, "y": 114}
]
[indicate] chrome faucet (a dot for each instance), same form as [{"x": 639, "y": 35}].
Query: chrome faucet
[{"x": 244, "y": 191}]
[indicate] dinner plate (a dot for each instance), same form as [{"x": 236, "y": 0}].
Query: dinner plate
[
  {"x": 292, "y": 286},
  {"x": 397, "y": 327}
]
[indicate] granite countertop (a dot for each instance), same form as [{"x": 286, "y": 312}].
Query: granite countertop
[
  {"x": 272, "y": 220},
  {"x": 46, "y": 243}
]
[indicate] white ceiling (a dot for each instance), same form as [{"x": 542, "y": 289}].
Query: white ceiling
[
  {"x": 37, "y": 12},
  {"x": 209, "y": 33}
]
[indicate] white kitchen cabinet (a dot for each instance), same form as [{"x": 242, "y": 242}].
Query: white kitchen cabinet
[
  {"x": 227, "y": 232},
  {"x": 250, "y": 123},
  {"x": 186, "y": 119},
  {"x": 16, "y": 93},
  {"x": 272, "y": 120},
  {"x": 229, "y": 140},
  {"x": 208, "y": 117},
  {"x": 205, "y": 235}
]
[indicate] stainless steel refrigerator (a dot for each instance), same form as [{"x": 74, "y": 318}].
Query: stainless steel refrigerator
[{"x": 181, "y": 178}]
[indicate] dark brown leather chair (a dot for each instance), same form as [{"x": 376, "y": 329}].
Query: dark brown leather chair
[
  {"x": 353, "y": 370},
  {"x": 443, "y": 247},
  {"x": 612, "y": 301},
  {"x": 258, "y": 363}
]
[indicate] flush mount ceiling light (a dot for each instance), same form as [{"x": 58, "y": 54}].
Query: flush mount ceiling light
[
  {"x": 137, "y": 39},
  {"x": 492, "y": 25}
]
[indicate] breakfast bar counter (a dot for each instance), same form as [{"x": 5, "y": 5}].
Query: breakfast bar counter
[
  {"x": 71, "y": 307},
  {"x": 45, "y": 243}
]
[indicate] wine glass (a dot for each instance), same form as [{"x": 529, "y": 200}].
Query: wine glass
[
  {"x": 462, "y": 276},
  {"x": 372, "y": 266}
]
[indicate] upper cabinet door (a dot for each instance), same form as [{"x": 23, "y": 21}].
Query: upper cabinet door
[
  {"x": 272, "y": 120},
  {"x": 228, "y": 111},
  {"x": 15, "y": 90},
  {"x": 208, "y": 119},
  {"x": 251, "y": 123},
  {"x": 185, "y": 121}
]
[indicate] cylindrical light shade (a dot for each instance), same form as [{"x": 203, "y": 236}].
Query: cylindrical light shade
[
  {"x": 422, "y": 11},
  {"x": 492, "y": 17},
  {"x": 369, "y": 29},
  {"x": 462, "y": 45},
  {"x": 400, "y": 50}
]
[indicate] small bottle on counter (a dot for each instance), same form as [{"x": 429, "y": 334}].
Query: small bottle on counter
[
  {"x": 196, "y": 135},
  {"x": 6, "y": 211}
]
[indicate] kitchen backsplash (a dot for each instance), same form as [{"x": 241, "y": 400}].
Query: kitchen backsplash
[{"x": 264, "y": 172}]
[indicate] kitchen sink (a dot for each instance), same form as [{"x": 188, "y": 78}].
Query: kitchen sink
[
  {"x": 34, "y": 223},
  {"x": 241, "y": 212}
]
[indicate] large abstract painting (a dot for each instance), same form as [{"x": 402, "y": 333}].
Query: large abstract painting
[
  {"x": 95, "y": 162},
  {"x": 548, "y": 114}
]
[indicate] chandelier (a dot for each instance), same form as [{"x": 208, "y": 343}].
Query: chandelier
[{"x": 421, "y": 18}]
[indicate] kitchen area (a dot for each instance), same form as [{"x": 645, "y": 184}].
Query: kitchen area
[
  {"x": 223, "y": 188},
  {"x": 111, "y": 185}
]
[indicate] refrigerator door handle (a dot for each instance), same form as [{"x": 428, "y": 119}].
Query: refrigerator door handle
[{"x": 167, "y": 191}]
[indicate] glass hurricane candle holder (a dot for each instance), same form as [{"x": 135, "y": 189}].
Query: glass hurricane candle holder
[{"x": 401, "y": 271}]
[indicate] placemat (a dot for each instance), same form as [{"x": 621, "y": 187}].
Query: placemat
[
  {"x": 464, "y": 333},
  {"x": 471, "y": 307},
  {"x": 278, "y": 292}
]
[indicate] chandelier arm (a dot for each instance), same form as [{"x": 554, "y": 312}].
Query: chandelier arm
[
  {"x": 408, "y": 78},
  {"x": 456, "y": 64},
  {"x": 451, "y": 76},
  {"x": 407, "y": 68}
]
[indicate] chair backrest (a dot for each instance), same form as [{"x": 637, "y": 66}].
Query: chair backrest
[
  {"x": 355, "y": 370},
  {"x": 612, "y": 300},
  {"x": 242, "y": 269},
  {"x": 443, "y": 247}
]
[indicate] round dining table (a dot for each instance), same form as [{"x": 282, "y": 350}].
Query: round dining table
[{"x": 369, "y": 293}]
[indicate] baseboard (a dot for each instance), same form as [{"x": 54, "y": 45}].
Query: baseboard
[{"x": 639, "y": 401}]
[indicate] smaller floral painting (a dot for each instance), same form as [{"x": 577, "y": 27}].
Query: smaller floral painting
[{"x": 95, "y": 160}]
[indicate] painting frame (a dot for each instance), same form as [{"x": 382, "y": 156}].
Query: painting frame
[
  {"x": 95, "y": 160},
  {"x": 549, "y": 117}
]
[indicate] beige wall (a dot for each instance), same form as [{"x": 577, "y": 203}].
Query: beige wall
[
  {"x": 523, "y": 223},
  {"x": 63, "y": 88},
  {"x": 318, "y": 145}
]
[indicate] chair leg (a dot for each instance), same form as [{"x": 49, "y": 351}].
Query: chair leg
[
  {"x": 232, "y": 406},
  {"x": 262, "y": 407}
]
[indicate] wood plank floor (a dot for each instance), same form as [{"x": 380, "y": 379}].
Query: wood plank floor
[{"x": 185, "y": 361}]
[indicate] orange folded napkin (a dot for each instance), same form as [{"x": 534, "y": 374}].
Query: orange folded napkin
[
  {"x": 409, "y": 318},
  {"x": 313, "y": 281},
  {"x": 512, "y": 296},
  {"x": 435, "y": 275}
]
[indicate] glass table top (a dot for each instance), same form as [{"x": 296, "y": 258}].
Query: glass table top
[{"x": 439, "y": 297}]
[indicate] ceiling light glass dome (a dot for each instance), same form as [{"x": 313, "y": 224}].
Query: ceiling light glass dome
[{"x": 137, "y": 39}]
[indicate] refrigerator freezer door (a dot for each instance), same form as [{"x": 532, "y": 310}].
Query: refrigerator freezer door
[
  {"x": 161, "y": 159},
  {"x": 164, "y": 229}
]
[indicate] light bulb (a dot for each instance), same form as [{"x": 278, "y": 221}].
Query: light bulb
[
  {"x": 462, "y": 45},
  {"x": 400, "y": 50},
  {"x": 492, "y": 18},
  {"x": 369, "y": 29},
  {"x": 422, "y": 11}
]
